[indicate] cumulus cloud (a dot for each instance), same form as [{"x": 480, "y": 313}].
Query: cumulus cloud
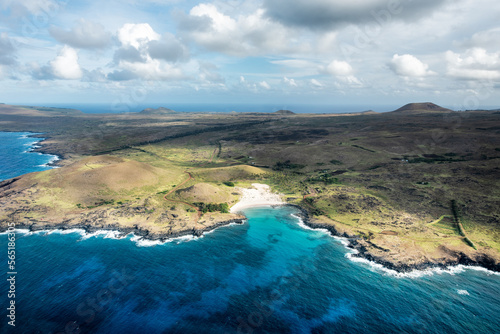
[
  {"x": 474, "y": 64},
  {"x": 343, "y": 72},
  {"x": 85, "y": 35},
  {"x": 339, "y": 68},
  {"x": 409, "y": 66},
  {"x": 65, "y": 65},
  {"x": 290, "y": 82},
  {"x": 327, "y": 14},
  {"x": 169, "y": 48},
  {"x": 248, "y": 34},
  {"x": 137, "y": 35},
  {"x": 7, "y": 50},
  {"x": 143, "y": 54}
]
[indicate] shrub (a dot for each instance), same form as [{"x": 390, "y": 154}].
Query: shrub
[
  {"x": 212, "y": 207},
  {"x": 279, "y": 166}
]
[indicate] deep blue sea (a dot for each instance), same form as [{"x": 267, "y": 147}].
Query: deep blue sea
[
  {"x": 16, "y": 156},
  {"x": 269, "y": 275}
]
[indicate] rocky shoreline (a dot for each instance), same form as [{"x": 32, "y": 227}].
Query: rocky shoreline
[
  {"x": 136, "y": 230},
  {"x": 362, "y": 248}
]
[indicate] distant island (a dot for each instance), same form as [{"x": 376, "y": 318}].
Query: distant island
[
  {"x": 158, "y": 111},
  {"x": 412, "y": 188},
  {"x": 284, "y": 112}
]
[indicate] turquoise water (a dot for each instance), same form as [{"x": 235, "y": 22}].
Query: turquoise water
[
  {"x": 17, "y": 158},
  {"x": 269, "y": 275}
]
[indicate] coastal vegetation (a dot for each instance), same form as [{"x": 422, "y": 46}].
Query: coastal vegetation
[{"x": 418, "y": 185}]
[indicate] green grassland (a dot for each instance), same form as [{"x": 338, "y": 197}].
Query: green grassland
[{"x": 389, "y": 178}]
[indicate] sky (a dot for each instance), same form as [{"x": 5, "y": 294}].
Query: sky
[{"x": 334, "y": 52}]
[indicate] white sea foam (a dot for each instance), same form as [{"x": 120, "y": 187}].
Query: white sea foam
[
  {"x": 106, "y": 233},
  {"x": 68, "y": 231},
  {"x": 351, "y": 255},
  {"x": 449, "y": 270},
  {"x": 53, "y": 158},
  {"x": 215, "y": 229},
  {"x": 142, "y": 242},
  {"x": 463, "y": 292},
  {"x": 17, "y": 231},
  {"x": 113, "y": 234},
  {"x": 304, "y": 226}
]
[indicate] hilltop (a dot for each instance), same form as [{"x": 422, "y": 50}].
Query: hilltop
[
  {"x": 421, "y": 107},
  {"x": 284, "y": 112},
  {"x": 158, "y": 111}
]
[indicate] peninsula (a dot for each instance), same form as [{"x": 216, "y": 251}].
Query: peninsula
[{"x": 415, "y": 188}]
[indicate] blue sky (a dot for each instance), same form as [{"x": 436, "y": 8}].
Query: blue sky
[{"x": 371, "y": 52}]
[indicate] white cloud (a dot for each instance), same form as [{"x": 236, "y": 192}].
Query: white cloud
[
  {"x": 343, "y": 72},
  {"x": 339, "y": 68},
  {"x": 316, "y": 83},
  {"x": 290, "y": 82},
  {"x": 137, "y": 35},
  {"x": 248, "y": 34},
  {"x": 65, "y": 65},
  {"x": 86, "y": 34},
  {"x": 409, "y": 66},
  {"x": 144, "y": 54},
  {"x": 474, "y": 64},
  {"x": 264, "y": 85}
]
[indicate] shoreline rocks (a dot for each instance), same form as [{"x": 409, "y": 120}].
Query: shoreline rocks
[{"x": 363, "y": 251}]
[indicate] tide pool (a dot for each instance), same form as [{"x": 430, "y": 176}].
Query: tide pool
[{"x": 269, "y": 275}]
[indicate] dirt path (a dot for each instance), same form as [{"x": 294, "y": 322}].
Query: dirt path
[{"x": 311, "y": 193}]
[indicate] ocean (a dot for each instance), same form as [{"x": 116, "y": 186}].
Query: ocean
[
  {"x": 99, "y": 108},
  {"x": 269, "y": 275},
  {"x": 17, "y": 156}
]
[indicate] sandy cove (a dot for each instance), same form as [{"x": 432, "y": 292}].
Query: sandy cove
[{"x": 259, "y": 195}]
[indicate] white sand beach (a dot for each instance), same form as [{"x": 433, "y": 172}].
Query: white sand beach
[{"x": 259, "y": 195}]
